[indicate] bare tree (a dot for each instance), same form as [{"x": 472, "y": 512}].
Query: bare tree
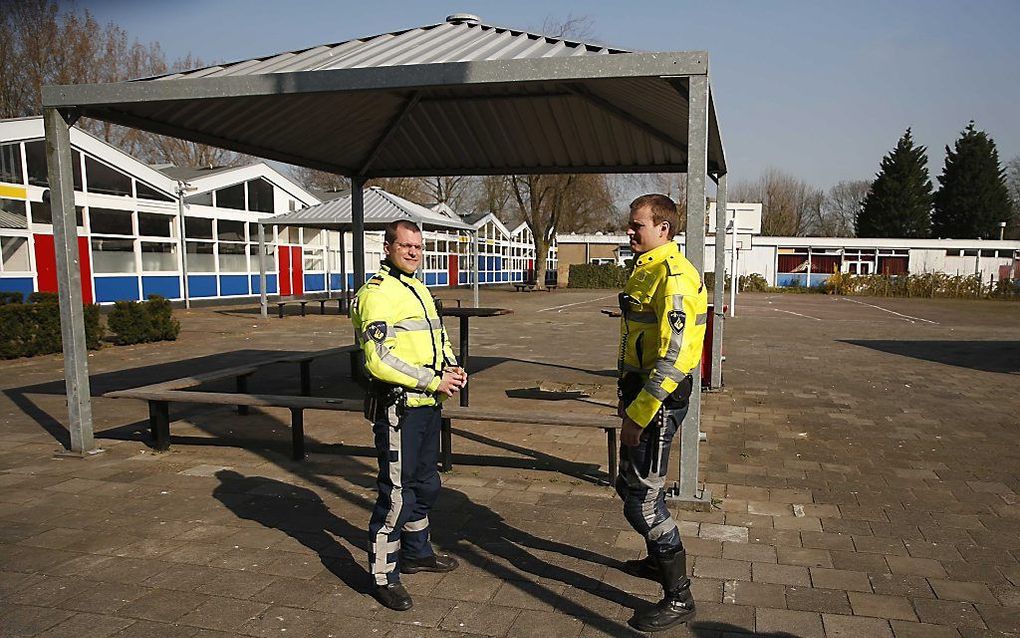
[
  {"x": 1013, "y": 184},
  {"x": 837, "y": 213},
  {"x": 788, "y": 204}
]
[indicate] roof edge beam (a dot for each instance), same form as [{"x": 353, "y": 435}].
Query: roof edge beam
[
  {"x": 626, "y": 116},
  {"x": 413, "y": 76},
  {"x": 190, "y": 135},
  {"x": 390, "y": 130}
]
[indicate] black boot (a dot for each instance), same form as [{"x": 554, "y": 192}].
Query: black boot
[
  {"x": 677, "y": 604},
  {"x": 437, "y": 562},
  {"x": 393, "y": 596},
  {"x": 642, "y": 568}
]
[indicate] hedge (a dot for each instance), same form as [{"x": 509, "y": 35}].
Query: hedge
[
  {"x": 27, "y": 330},
  {"x": 11, "y": 297},
  {"x": 597, "y": 276},
  {"x": 143, "y": 322},
  {"x": 921, "y": 285}
]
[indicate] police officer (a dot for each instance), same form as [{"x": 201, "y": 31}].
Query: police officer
[
  {"x": 412, "y": 369},
  {"x": 664, "y": 311}
]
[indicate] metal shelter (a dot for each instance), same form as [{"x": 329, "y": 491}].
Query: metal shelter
[
  {"x": 455, "y": 98},
  {"x": 380, "y": 208}
]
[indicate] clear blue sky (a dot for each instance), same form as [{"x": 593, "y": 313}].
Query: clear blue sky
[{"x": 821, "y": 89}]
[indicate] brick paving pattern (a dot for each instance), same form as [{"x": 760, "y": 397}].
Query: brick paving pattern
[{"x": 864, "y": 462}]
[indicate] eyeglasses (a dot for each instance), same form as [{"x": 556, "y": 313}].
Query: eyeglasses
[{"x": 407, "y": 246}]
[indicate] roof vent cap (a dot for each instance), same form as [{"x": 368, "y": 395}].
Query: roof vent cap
[{"x": 458, "y": 18}]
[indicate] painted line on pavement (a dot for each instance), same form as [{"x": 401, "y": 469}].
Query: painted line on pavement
[
  {"x": 559, "y": 308},
  {"x": 790, "y": 312},
  {"x": 892, "y": 312}
]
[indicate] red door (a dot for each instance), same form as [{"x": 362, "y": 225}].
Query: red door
[
  {"x": 454, "y": 271},
  {"x": 284, "y": 276},
  {"x": 46, "y": 265},
  {"x": 297, "y": 278}
]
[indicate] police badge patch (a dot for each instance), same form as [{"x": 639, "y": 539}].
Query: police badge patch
[
  {"x": 376, "y": 331},
  {"x": 676, "y": 320}
]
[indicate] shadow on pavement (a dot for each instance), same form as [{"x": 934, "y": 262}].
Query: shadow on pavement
[{"x": 988, "y": 356}]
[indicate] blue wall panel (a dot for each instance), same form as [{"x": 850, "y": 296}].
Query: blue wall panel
[
  {"x": 17, "y": 284},
  {"x": 463, "y": 277},
  {"x": 233, "y": 285},
  {"x": 202, "y": 285},
  {"x": 315, "y": 283},
  {"x": 444, "y": 279},
  {"x": 116, "y": 289},
  {"x": 169, "y": 287},
  {"x": 430, "y": 279},
  {"x": 791, "y": 279},
  {"x": 270, "y": 284},
  {"x": 335, "y": 281}
]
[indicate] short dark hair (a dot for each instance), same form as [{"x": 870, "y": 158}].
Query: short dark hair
[
  {"x": 391, "y": 229},
  {"x": 663, "y": 209}
]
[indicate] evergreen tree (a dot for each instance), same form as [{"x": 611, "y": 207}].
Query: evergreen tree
[
  {"x": 972, "y": 198},
  {"x": 898, "y": 203}
]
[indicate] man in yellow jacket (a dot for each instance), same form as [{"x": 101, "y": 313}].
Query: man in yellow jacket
[
  {"x": 664, "y": 312},
  {"x": 411, "y": 367}
]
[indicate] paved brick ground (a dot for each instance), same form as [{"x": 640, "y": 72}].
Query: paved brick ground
[{"x": 864, "y": 456}]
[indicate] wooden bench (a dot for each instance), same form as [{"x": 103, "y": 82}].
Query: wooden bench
[
  {"x": 341, "y": 303},
  {"x": 528, "y": 286},
  {"x": 160, "y": 396}
]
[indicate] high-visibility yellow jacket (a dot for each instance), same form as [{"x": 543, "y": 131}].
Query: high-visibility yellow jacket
[
  {"x": 398, "y": 328},
  {"x": 662, "y": 329}
]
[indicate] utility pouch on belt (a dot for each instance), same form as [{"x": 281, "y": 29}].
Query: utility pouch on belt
[{"x": 381, "y": 396}]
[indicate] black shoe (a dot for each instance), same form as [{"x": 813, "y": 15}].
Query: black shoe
[
  {"x": 434, "y": 563},
  {"x": 677, "y": 604},
  {"x": 643, "y": 568},
  {"x": 393, "y": 596}
]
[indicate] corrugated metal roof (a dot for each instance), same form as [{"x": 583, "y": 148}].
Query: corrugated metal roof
[
  {"x": 381, "y": 208},
  {"x": 453, "y": 98},
  {"x": 458, "y": 41},
  {"x": 12, "y": 220}
]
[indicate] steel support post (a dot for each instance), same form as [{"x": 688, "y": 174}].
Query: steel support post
[
  {"x": 474, "y": 268},
  {"x": 343, "y": 271},
  {"x": 734, "y": 273},
  {"x": 688, "y": 490},
  {"x": 358, "y": 229},
  {"x": 72, "y": 312},
  {"x": 263, "y": 295},
  {"x": 181, "y": 226},
  {"x": 718, "y": 295}
]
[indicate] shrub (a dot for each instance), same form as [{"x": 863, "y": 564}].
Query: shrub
[
  {"x": 753, "y": 283},
  {"x": 597, "y": 276},
  {"x": 709, "y": 278},
  {"x": 8, "y": 297},
  {"x": 44, "y": 297},
  {"x": 143, "y": 322},
  {"x": 27, "y": 330}
]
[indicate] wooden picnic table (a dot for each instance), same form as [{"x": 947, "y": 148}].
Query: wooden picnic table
[{"x": 465, "y": 314}]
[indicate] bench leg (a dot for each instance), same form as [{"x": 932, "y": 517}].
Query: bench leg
[
  {"x": 159, "y": 424},
  {"x": 279, "y": 310},
  {"x": 445, "y": 446},
  {"x": 297, "y": 434},
  {"x": 303, "y": 310},
  {"x": 306, "y": 378},
  {"x": 613, "y": 449},
  {"x": 242, "y": 388}
]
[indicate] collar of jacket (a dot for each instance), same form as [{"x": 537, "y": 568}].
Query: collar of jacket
[
  {"x": 387, "y": 268},
  {"x": 657, "y": 254}
]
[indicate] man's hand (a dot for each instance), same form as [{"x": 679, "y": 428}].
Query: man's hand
[
  {"x": 631, "y": 433},
  {"x": 460, "y": 372},
  {"x": 451, "y": 382}
]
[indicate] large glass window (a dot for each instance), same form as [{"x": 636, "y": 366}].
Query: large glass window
[
  {"x": 43, "y": 214},
  {"x": 113, "y": 255},
  {"x": 35, "y": 158},
  {"x": 198, "y": 228},
  {"x": 155, "y": 225},
  {"x": 105, "y": 221},
  {"x": 313, "y": 260},
  {"x": 231, "y": 197},
  {"x": 147, "y": 192},
  {"x": 106, "y": 180},
  {"x": 233, "y": 258},
  {"x": 202, "y": 199},
  {"x": 230, "y": 230},
  {"x": 10, "y": 164},
  {"x": 158, "y": 256},
  {"x": 260, "y": 196},
  {"x": 13, "y": 213},
  {"x": 268, "y": 257},
  {"x": 14, "y": 251},
  {"x": 201, "y": 257}
]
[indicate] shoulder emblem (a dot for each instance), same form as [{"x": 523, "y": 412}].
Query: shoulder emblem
[
  {"x": 376, "y": 331},
  {"x": 676, "y": 319}
]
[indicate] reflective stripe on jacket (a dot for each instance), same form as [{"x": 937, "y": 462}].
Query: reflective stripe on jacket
[
  {"x": 665, "y": 310},
  {"x": 398, "y": 328}
]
